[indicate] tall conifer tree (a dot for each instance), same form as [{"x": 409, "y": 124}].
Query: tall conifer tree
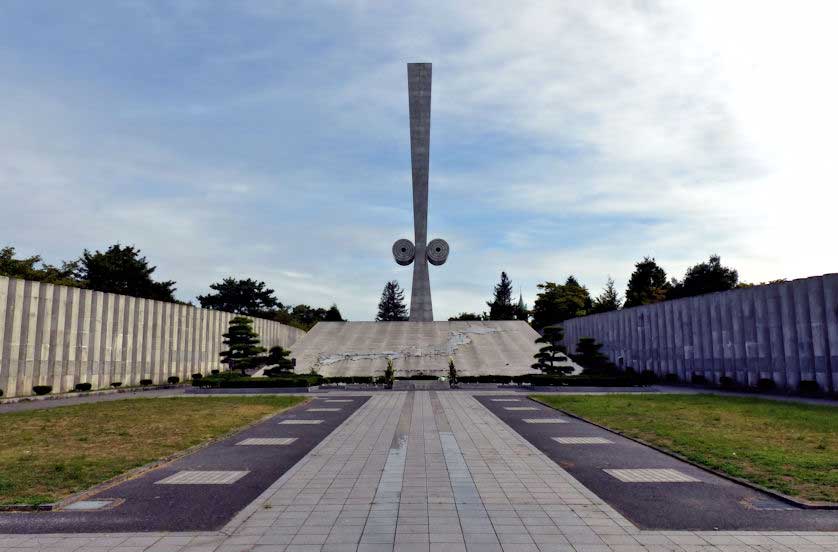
[
  {"x": 501, "y": 307},
  {"x": 391, "y": 307}
]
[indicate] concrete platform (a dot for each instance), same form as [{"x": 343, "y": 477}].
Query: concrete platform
[{"x": 362, "y": 348}]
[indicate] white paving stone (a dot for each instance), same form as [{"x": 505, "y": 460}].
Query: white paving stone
[
  {"x": 207, "y": 477},
  {"x": 545, "y": 420},
  {"x": 582, "y": 440},
  {"x": 651, "y": 475},
  {"x": 268, "y": 441}
]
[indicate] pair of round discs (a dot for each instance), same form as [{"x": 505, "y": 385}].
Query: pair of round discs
[{"x": 404, "y": 251}]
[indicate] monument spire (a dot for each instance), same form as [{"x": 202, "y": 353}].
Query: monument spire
[{"x": 420, "y": 252}]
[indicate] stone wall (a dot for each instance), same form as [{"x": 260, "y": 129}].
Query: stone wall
[
  {"x": 61, "y": 336},
  {"x": 787, "y": 332}
]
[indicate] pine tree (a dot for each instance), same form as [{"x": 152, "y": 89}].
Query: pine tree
[
  {"x": 608, "y": 300},
  {"x": 243, "y": 345},
  {"x": 647, "y": 284},
  {"x": 122, "y": 270},
  {"x": 248, "y": 297},
  {"x": 501, "y": 308},
  {"x": 278, "y": 359},
  {"x": 552, "y": 353},
  {"x": 391, "y": 307},
  {"x": 589, "y": 357},
  {"x": 521, "y": 310}
]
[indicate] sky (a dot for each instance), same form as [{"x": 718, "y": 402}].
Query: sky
[{"x": 270, "y": 139}]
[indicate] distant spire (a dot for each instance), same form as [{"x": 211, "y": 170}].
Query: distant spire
[{"x": 521, "y": 304}]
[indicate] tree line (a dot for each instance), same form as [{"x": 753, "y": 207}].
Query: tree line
[
  {"x": 124, "y": 270},
  {"x": 557, "y": 302}
]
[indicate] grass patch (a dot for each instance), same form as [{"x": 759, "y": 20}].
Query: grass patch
[
  {"x": 789, "y": 447},
  {"x": 46, "y": 455}
]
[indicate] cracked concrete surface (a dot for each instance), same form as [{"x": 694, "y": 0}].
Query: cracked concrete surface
[{"x": 362, "y": 348}]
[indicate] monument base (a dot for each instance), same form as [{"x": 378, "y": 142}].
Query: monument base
[{"x": 362, "y": 348}]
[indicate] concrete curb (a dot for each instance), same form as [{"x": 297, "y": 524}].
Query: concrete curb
[
  {"x": 92, "y": 393},
  {"x": 776, "y": 494}
]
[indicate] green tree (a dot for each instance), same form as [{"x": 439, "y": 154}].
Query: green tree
[
  {"x": 243, "y": 350},
  {"x": 452, "y": 372},
  {"x": 705, "y": 278},
  {"x": 389, "y": 373},
  {"x": 279, "y": 362},
  {"x": 521, "y": 310},
  {"x": 592, "y": 361},
  {"x": 305, "y": 316},
  {"x": 647, "y": 284},
  {"x": 247, "y": 297},
  {"x": 25, "y": 269},
  {"x": 391, "y": 307},
  {"x": 501, "y": 307},
  {"x": 608, "y": 300},
  {"x": 122, "y": 270},
  {"x": 333, "y": 314},
  {"x": 559, "y": 302},
  {"x": 468, "y": 317},
  {"x": 552, "y": 353}
]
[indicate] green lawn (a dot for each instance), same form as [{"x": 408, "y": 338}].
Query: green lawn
[
  {"x": 46, "y": 455},
  {"x": 789, "y": 447}
]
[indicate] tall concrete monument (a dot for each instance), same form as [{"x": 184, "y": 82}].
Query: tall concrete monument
[{"x": 422, "y": 252}]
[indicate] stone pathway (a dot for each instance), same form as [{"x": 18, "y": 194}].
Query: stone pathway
[{"x": 429, "y": 472}]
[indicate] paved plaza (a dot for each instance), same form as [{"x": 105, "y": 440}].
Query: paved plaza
[{"x": 428, "y": 471}]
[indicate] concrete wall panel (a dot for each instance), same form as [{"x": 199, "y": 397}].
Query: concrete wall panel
[
  {"x": 60, "y": 336},
  {"x": 786, "y": 331}
]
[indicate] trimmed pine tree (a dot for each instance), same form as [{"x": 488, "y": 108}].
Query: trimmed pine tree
[
  {"x": 243, "y": 348},
  {"x": 280, "y": 363},
  {"x": 552, "y": 353},
  {"x": 592, "y": 361}
]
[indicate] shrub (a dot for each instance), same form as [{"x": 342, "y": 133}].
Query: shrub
[
  {"x": 648, "y": 376},
  {"x": 671, "y": 378},
  {"x": 245, "y": 382},
  {"x": 452, "y": 372},
  {"x": 766, "y": 384},
  {"x": 83, "y": 386},
  {"x": 42, "y": 389},
  {"x": 116, "y": 384},
  {"x": 145, "y": 382},
  {"x": 173, "y": 380},
  {"x": 809, "y": 387},
  {"x": 698, "y": 378},
  {"x": 197, "y": 376},
  {"x": 727, "y": 382},
  {"x": 215, "y": 372},
  {"x": 389, "y": 373},
  {"x": 349, "y": 379},
  {"x": 592, "y": 361},
  {"x": 1, "y": 392}
]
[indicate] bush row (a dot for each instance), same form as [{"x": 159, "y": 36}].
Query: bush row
[{"x": 252, "y": 383}]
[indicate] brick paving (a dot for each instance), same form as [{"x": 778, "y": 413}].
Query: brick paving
[{"x": 428, "y": 472}]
